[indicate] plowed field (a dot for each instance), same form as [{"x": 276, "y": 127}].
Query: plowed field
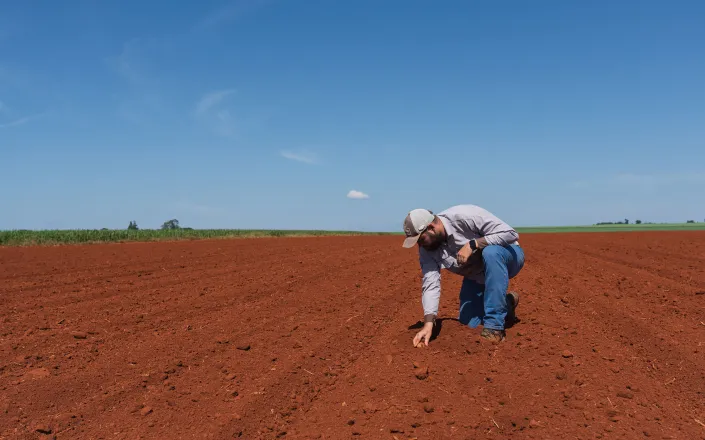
[{"x": 311, "y": 338}]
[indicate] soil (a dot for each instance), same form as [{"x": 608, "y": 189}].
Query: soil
[{"x": 311, "y": 338}]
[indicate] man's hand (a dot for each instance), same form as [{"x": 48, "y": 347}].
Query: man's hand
[
  {"x": 423, "y": 336},
  {"x": 464, "y": 254}
]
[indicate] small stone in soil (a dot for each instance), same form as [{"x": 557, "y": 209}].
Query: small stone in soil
[
  {"x": 396, "y": 430},
  {"x": 243, "y": 347},
  {"x": 146, "y": 410},
  {"x": 533, "y": 424},
  {"x": 567, "y": 354},
  {"x": 351, "y": 422},
  {"x": 79, "y": 335},
  {"x": 428, "y": 408},
  {"x": 625, "y": 395},
  {"x": 43, "y": 429},
  {"x": 423, "y": 375}
]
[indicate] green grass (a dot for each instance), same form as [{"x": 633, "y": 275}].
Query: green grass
[
  {"x": 615, "y": 228},
  {"x": 50, "y": 237}
]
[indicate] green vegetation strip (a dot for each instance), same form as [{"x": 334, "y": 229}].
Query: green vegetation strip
[
  {"x": 49, "y": 237},
  {"x": 616, "y": 228}
]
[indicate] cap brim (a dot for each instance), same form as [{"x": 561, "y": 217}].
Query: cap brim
[{"x": 411, "y": 241}]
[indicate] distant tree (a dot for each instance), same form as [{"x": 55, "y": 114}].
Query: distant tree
[
  {"x": 171, "y": 224},
  {"x": 638, "y": 222},
  {"x": 133, "y": 226},
  {"x": 690, "y": 221},
  {"x": 626, "y": 221}
]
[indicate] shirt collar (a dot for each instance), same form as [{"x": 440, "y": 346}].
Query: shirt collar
[{"x": 448, "y": 227}]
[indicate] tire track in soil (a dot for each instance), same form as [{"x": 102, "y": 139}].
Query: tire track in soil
[
  {"x": 658, "y": 270},
  {"x": 523, "y": 388},
  {"x": 632, "y": 346},
  {"x": 566, "y": 399},
  {"x": 138, "y": 354}
]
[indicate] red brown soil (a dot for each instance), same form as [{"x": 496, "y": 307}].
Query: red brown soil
[{"x": 147, "y": 340}]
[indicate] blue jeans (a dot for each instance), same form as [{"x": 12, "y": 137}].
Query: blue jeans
[{"x": 486, "y": 303}]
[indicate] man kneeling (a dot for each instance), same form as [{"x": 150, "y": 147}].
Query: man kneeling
[{"x": 469, "y": 241}]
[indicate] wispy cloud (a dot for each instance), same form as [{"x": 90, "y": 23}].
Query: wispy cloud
[
  {"x": 210, "y": 100},
  {"x": 353, "y": 194},
  {"x": 141, "y": 99},
  {"x": 3, "y": 107},
  {"x": 211, "y": 111},
  {"x": 230, "y": 12},
  {"x": 127, "y": 63},
  {"x": 301, "y": 156},
  {"x": 16, "y": 122}
]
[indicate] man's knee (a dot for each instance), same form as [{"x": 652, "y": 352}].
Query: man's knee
[{"x": 493, "y": 253}]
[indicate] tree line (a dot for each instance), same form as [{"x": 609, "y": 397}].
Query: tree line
[
  {"x": 638, "y": 222},
  {"x": 167, "y": 225}
]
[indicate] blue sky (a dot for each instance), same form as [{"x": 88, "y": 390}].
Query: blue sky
[{"x": 267, "y": 114}]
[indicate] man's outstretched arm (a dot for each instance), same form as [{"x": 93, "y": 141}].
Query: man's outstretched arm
[{"x": 430, "y": 298}]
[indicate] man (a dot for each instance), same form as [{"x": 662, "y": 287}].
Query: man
[{"x": 469, "y": 241}]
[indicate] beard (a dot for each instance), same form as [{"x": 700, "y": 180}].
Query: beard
[{"x": 433, "y": 242}]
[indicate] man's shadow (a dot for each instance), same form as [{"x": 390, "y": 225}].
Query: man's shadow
[
  {"x": 439, "y": 325},
  {"x": 436, "y": 328}
]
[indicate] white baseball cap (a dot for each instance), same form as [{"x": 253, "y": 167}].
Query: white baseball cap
[{"x": 415, "y": 223}]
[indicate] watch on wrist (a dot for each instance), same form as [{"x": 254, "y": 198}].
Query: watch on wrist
[{"x": 473, "y": 244}]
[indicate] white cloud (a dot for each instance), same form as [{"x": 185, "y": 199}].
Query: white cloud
[
  {"x": 357, "y": 195},
  {"x": 301, "y": 156}
]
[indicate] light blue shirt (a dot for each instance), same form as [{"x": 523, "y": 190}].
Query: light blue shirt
[{"x": 462, "y": 223}]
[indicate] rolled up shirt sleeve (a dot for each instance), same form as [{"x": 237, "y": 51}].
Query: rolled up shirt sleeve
[{"x": 431, "y": 284}]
